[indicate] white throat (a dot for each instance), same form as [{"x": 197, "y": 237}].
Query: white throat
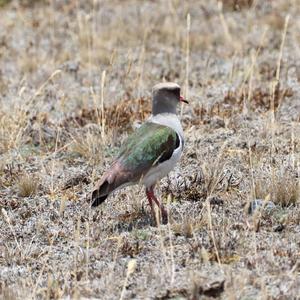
[{"x": 168, "y": 119}]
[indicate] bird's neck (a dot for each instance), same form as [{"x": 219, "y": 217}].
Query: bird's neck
[
  {"x": 168, "y": 119},
  {"x": 163, "y": 108}
]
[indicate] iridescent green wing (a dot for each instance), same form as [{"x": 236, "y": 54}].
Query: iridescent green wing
[{"x": 148, "y": 146}]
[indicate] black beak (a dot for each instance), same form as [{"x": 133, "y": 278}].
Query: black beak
[{"x": 183, "y": 100}]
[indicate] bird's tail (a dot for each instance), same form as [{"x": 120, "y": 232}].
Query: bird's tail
[
  {"x": 100, "y": 193},
  {"x": 111, "y": 180}
]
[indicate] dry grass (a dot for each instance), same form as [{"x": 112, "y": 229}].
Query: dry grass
[
  {"x": 27, "y": 186},
  {"x": 89, "y": 146},
  {"x": 12, "y": 128},
  {"x": 187, "y": 227},
  {"x": 283, "y": 189},
  {"x": 76, "y": 79}
]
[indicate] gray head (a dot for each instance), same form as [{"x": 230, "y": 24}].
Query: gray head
[{"x": 166, "y": 97}]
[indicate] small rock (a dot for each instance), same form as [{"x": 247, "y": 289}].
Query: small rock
[
  {"x": 215, "y": 200},
  {"x": 278, "y": 228},
  {"x": 260, "y": 204},
  {"x": 70, "y": 66}
]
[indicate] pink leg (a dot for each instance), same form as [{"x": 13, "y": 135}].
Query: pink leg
[
  {"x": 148, "y": 193},
  {"x": 151, "y": 196}
]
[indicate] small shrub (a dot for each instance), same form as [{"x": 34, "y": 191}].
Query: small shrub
[
  {"x": 284, "y": 189},
  {"x": 27, "y": 186}
]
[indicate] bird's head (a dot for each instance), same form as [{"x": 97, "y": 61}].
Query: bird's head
[{"x": 166, "y": 97}]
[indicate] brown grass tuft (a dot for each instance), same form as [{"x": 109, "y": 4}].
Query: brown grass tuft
[
  {"x": 261, "y": 99},
  {"x": 187, "y": 227},
  {"x": 119, "y": 116},
  {"x": 283, "y": 189},
  {"x": 131, "y": 249},
  {"x": 88, "y": 145},
  {"x": 237, "y": 5},
  {"x": 27, "y": 186}
]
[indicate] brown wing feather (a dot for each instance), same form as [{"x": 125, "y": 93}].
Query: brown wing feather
[{"x": 111, "y": 180}]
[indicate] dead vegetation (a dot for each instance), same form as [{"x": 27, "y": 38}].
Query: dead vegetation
[
  {"x": 75, "y": 80},
  {"x": 119, "y": 116},
  {"x": 258, "y": 99},
  {"x": 282, "y": 188},
  {"x": 27, "y": 186}
]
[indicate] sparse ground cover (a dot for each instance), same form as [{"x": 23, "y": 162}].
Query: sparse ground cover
[{"x": 76, "y": 76}]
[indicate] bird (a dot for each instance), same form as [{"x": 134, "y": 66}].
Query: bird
[{"x": 150, "y": 152}]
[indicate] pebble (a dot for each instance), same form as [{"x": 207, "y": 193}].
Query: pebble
[{"x": 260, "y": 203}]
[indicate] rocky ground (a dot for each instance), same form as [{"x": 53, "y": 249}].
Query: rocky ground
[{"x": 76, "y": 77}]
